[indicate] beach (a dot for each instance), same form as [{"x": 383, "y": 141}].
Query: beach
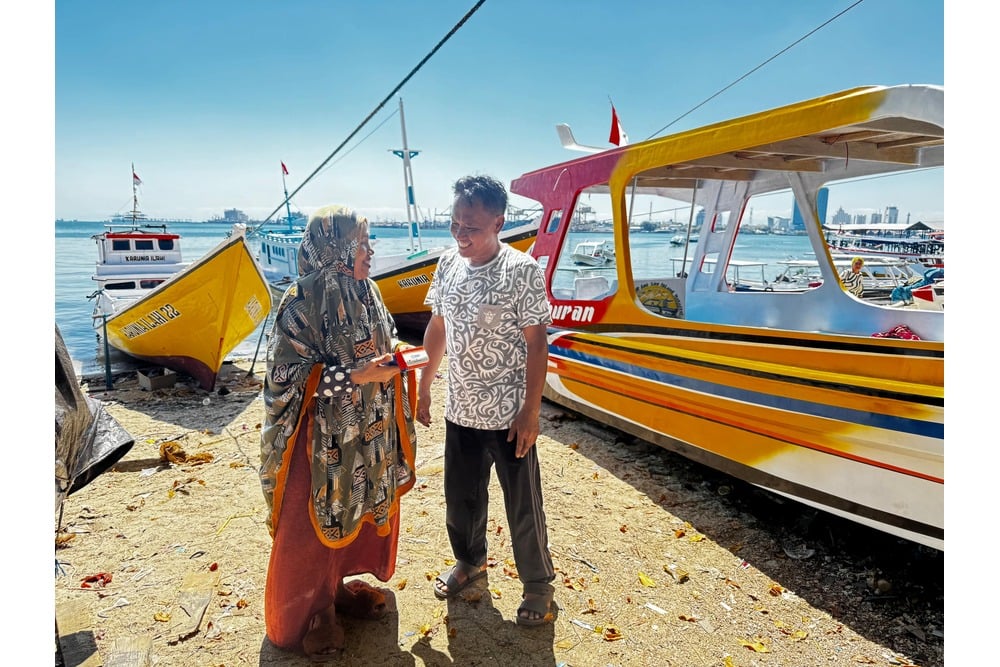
[{"x": 659, "y": 561}]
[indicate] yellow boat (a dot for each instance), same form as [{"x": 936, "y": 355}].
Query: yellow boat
[
  {"x": 184, "y": 316},
  {"x": 814, "y": 394}
]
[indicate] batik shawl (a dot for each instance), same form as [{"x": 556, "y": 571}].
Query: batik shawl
[{"x": 361, "y": 436}]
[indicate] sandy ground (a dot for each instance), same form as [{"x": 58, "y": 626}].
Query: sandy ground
[{"x": 659, "y": 561}]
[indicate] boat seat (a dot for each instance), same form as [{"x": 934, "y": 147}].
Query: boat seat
[{"x": 590, "y": 288}]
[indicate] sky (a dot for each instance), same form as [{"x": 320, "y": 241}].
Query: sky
[{"x": 207, "y": 99}]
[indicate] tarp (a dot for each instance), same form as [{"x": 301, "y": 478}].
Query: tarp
[{"x": 88, "y": 439}]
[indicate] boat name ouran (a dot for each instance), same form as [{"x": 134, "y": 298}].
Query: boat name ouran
[
  {"x": 148, "y": 322},
  {"x": 414, "y": 281},
  {"x": 573, "y": 313}
]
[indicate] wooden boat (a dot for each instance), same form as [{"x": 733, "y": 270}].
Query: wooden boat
[
  {"x": 185, "y": 316},
  {"x": 402, "y": 278},
  {"x": 594, "y": 253},
  {"x": 813, "y": 394}
]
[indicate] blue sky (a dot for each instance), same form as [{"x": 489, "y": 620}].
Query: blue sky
[{"x": 207, "y": 98}]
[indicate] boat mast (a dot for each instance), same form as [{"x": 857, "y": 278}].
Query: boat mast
[
  {"x": 288, "y": 206},
  {"x": 411, "y": 206},
  {"x": 135, "y": 196}
]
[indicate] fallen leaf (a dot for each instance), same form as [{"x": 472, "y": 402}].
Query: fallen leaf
[
  {"x": 161, "y": 616},
  {"x": 696, "y": 538},
  {"x": 612, "y": 634},
  {"x": 496, "y": 593},
  {"x": 689, "y": 619},
  {"x": 623, "y": 528},
  {"x": 756, "y": 646},
  {"x": 775, "y": 590},
  {"x": 646, "y": 581},
  {"x": 401, "y": 584}
]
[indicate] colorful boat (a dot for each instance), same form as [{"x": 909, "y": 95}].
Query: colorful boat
[
  {"x": 815, "y": 395},
  {"x": 185, "y": 316}
]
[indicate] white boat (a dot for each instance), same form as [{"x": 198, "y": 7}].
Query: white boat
[
  {"x": 185, "y": 316},
  {"x": 833, "y": 401},
  {"x": 880, "y": 275},
  {"x": 594, "y": 253},
  {"x": 681, "y": 239},
  {"x": 403, "y": 278}
]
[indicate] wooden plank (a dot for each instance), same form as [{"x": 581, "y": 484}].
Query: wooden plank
[
  {"x": 192, "y": 599},
  {"x": 76, "y": 637},
  {"x": 130, "y": 652}
]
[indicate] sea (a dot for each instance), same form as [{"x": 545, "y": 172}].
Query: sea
[{"x": 75, "y": 255}]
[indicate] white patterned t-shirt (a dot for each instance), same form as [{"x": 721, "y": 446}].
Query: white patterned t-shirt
[{"x": 485, "y": 308}]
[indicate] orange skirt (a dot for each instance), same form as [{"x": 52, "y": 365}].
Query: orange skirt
[{"x": 303, "y": 574}]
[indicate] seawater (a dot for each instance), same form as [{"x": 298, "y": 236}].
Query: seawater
[
  {"x": 75, "y": 257},
  {"x": 76, "y": 254}
]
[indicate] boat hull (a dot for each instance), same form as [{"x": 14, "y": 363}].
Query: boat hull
[
  {"x": 825, "y": 420},
  {"x": 191, "y": 322}
]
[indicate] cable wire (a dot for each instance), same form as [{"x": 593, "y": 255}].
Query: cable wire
[
  {"x": 374, "y": 111},
  {"x": 800, "y": 39}
]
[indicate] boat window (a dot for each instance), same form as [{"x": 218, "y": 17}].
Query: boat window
[
  {"x": 554, "y": 219},
  {"x": 143, "y": 244},
  {"x": 120, "y": 244},
  {"x": 772, "y": 252},
  {"x": 166, "y": 244},
  {"x": 120, "y": 285},
  {"x": 149, "y": 284},
  {"x": 587, "y": 268}
]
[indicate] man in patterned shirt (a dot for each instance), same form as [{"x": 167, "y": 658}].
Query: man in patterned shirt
[{"x": 489, "y": 313}]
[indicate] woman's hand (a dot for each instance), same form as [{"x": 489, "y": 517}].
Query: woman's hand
[{"x": 376, "y": 370}]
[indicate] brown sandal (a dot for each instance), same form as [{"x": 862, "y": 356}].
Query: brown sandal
[
  {"x": 536, "y": 600},
  {"x": 453, "y": 581}
]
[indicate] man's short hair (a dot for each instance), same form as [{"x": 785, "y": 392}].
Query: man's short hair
[{"x": 483, "y": 190}]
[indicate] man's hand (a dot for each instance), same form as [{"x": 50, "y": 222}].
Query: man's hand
[{"x": 524, "y": 431}]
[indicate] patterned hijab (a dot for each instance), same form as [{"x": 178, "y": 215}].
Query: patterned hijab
[{"x": 331, "y": 240}]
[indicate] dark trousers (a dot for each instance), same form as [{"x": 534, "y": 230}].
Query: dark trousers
[{"x": 469, "y": 454}]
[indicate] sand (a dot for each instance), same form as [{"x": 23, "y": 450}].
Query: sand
[{"x": 659, "y": 561}]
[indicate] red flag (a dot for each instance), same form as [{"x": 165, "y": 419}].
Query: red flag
[
  {"x": 284, "y": 169},
  {"x": 135, "y": 179},
  {"x": 618, "y": 136}
]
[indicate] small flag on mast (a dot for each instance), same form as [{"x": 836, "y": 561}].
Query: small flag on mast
[
  {"x": 135, "y": 178},
  {"x": 618, "y": 136},
  {"x": 284, "y": 169}
]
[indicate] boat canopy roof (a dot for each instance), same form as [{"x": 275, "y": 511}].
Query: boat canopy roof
[{"x": 850, "y": 134}]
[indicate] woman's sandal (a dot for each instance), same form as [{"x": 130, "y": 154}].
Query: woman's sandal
[
  {"x": 449, "y": 584},
  {"x": 364, "y": 601},
  {"x": 536, "y": 604},
  {"x": 325, "y": 638}
]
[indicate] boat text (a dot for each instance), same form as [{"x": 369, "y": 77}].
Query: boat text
[
  {"x": 145, "y": 258},
  {"x": 150, "y": 321},
  {"x": 415, "y": 281},
  {"x": 573, "y": 313}
]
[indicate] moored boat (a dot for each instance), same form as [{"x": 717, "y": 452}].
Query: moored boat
[
  {"x": 834, "y": 401},
  {"x": 594, "y": 253},
  {"x": 185, "y": 316}
]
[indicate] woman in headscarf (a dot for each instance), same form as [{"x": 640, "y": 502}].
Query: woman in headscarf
[{"x": 338, "y": 440}]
